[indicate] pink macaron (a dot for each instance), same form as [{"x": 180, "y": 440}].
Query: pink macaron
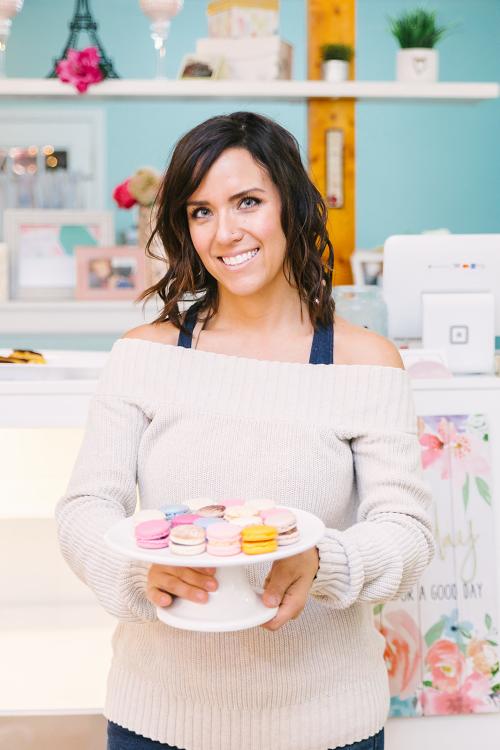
[
  {"x": 152, "y": 534},
  {"x": 184, "y": 519},
  {"x": 230, "y": 503},
  {"x": 286, "y": 524},
  {"x": 224, "y": 539}
]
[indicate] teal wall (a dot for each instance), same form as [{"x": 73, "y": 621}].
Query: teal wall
[
  {"x": 419, "y": 165},
  {"x": 425, "y": 166}
]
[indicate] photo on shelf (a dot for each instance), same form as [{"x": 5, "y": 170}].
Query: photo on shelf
[
  {"x": 111, "y": 273},
  {"x": 196, "y": 66},
  {"x": 367, "y": 267},
  {"x": 41, "y": 249}
]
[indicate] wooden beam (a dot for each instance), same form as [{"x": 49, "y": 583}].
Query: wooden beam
[{"x": 333, "y": 21}]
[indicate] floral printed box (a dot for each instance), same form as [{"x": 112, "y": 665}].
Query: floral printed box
[
  {"x": 441, "y": 637},
  {"x": 243, "y": 18}
]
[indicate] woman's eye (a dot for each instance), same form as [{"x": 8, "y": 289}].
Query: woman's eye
[
  {"x": 250, "y": 202},
  {"x": 200, "y": 213}
]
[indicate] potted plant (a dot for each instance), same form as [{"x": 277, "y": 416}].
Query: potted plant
[
  {"x": 417, "y": 33},
  {"x": 336, "y": 58}
]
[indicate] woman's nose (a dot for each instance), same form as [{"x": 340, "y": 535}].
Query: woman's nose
[{"x": 228, "y": 230}]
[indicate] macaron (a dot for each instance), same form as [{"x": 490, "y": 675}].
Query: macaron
[
  {"x": 196, "y": 503},
  {"x": 184, "y": 519},
  {"x": 286, "y": 524},
  {"x": 243, "y": 521},
  {"x": 211, "y": 511},
  {"x": 269, "y": 511},
  {"x": 152, "y": 534},
  {"x": 238, "y": 511},
  {"x": 259, "y": 540},
  {"x": 223, "y": 539},
  {"x": 170, "y": 511},
  {"x": 260, "y": 504},
  {"x": 230, "y": 503},
  {"x": 187, "y": 540},
  {"x": 204, "y": 523},
  {"x": 148, "y": 514}
]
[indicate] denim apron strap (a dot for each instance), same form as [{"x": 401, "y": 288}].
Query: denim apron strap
[
  {"x": 321, "y": 349},
  {"x": 322, "y": 346},
  {"x": 186, "y": 339}
]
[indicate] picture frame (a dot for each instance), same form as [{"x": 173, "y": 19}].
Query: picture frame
[
  {"x": 116, "y": 272},
  {"x": 4, "y": 273},
  {"x": 200, "y": 67},
  {"x": 367, "y": 266},
  {"x": 41, "y": 248}
]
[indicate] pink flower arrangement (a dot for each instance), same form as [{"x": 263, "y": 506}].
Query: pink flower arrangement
[
  {"x": 484, "y": 657},
  {"x": 450, "y": 690},
  {"x": 81, "y": 68},
  {"x": 403, "y": 652},
  {"x": 446, "y": 664},
  {"x": 122, "y": 195},
  {"x": 458, "y": 453},
  {"x": 471, "y": 697},
  {"x": 141, "y": 188}
]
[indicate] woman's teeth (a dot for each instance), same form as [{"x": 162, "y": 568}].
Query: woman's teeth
[{"x": 236, "y": 260}]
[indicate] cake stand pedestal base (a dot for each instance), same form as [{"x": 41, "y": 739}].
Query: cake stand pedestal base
[{"x": 234, "y": 606}]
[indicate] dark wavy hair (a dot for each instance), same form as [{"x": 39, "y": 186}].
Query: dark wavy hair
[{"x": 308, "y": 263}]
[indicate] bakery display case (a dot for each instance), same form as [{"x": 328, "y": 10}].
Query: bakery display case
[{"x": 55, "y": 641}]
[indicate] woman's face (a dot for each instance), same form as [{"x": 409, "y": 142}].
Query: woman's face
[{"x": 235, "y": 226}]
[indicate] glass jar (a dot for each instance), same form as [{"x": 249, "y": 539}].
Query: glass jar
[{"x": 362, "y": 305}]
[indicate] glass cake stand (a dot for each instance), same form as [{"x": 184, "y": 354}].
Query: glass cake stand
[{"x": 235, "y": 605}]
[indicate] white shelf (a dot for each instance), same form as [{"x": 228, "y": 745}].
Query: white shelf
[
  {"x": 107, "y": 317},
  {"x": 57, "y": 659},
  {"x": 287, "y": 90}
]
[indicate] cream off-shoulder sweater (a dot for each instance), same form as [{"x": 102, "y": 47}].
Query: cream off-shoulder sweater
[{"x": 337, "y": 440}]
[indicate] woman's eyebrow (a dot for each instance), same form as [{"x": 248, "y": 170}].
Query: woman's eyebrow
[{"x": 232, "y": 198}]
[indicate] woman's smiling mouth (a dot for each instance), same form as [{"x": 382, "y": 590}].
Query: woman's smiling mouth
[{"x": 239, "y": 260}]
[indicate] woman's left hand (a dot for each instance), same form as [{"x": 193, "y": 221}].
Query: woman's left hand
[{"x": 288, "y": 585}]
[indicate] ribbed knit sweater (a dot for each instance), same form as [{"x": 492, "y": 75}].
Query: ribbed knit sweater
[{"x": 337, "y": 440}]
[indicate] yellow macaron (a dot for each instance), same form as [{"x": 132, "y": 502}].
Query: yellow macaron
[{"x": 259, "y": 539}]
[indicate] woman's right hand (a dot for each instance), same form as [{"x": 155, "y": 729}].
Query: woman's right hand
[{"x": 165, "y": 582}]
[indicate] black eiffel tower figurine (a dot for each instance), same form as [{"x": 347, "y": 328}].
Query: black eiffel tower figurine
[{"x": 84, "y": 21}]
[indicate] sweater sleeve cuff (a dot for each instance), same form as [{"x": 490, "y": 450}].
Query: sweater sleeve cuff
[
  {"x": 340, "y": 574},
  {"x": 132, "y": 588}
]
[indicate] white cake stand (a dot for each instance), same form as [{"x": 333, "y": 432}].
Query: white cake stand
[{"x": 235, "y": 605}]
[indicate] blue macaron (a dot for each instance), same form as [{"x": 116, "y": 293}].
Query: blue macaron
[{"x": 170, "y": 511}]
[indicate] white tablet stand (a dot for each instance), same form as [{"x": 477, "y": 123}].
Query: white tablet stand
[{"x": 235, "y": 605}]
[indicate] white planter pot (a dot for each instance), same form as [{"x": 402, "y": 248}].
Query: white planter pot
[
  {"x": 417, "y": 65},
  {"x": 335, "y": 71}
]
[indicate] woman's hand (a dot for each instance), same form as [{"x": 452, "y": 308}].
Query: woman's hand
[
  {"x": 165, "y": 582},
  {"x": 288, "y": 585}
]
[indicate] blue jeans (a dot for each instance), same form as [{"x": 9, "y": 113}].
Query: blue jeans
[{"x": 123, "y": 739}]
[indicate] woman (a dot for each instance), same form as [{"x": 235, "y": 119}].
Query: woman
[{"x": 229, "y": 401}]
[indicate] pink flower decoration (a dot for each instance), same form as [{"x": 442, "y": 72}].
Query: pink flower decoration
[
  {"x": 484, "y": 656},
  {"x": 447, "y": 664},
  {"x": 80, "y": 68},
  {"x": 123, "y": 196},
  {"x": 472, "y": 697},
  {"x": 457, "y": 451},
  {"x": 403, "y": 652}
]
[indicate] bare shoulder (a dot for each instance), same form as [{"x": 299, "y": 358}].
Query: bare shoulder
[
  {"x": 355, "y": 345},
  {"x": 161, "y": 333}
]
